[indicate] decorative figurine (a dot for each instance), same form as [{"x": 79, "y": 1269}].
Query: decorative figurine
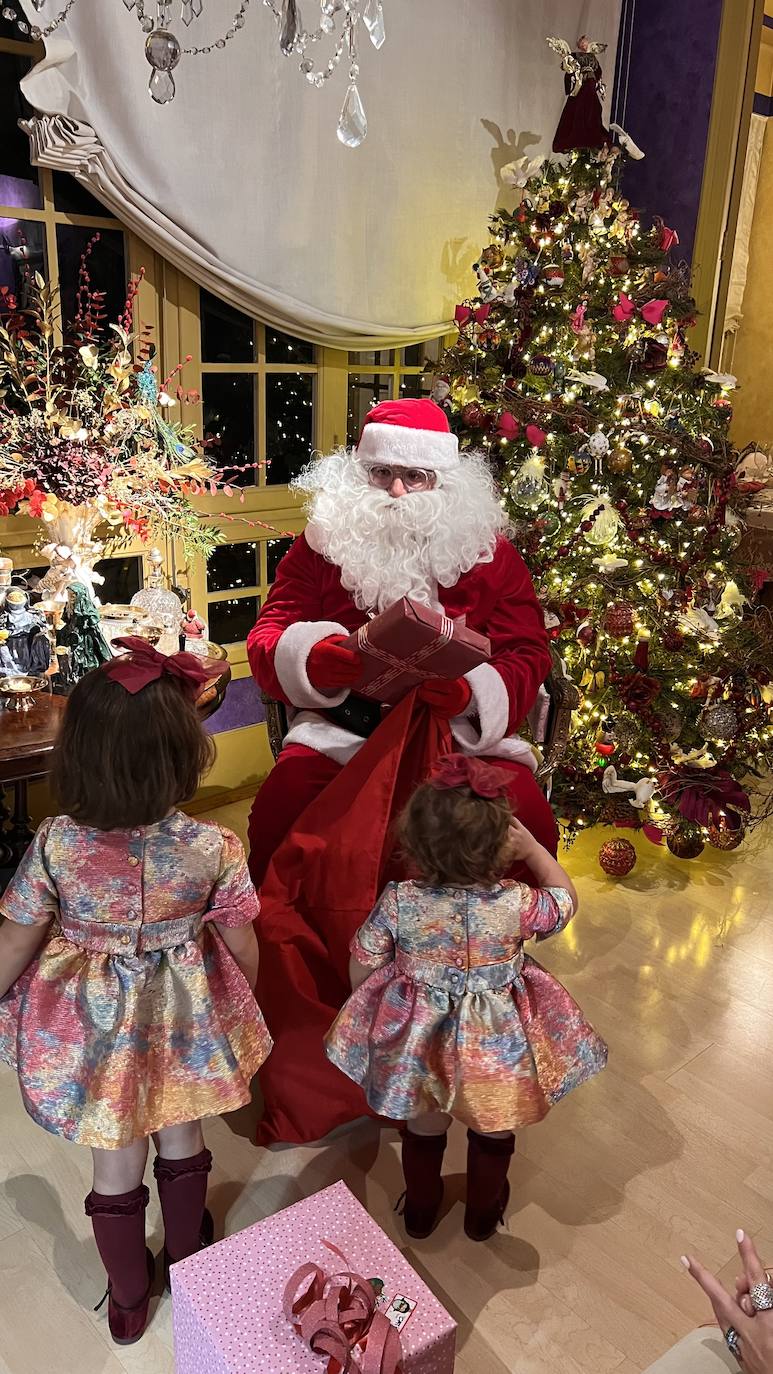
[
  {"x": 81, "y": 634},
  {"x": 24, "y": 644},
  {"x": 193, "y": 626},
  {"x": 581, "y": 125}
]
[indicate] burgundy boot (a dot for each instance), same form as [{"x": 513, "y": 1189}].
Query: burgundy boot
[
  {"x": 488, "y": 1191},
  {"x": 119, "y": 1230},
  {"x": 422, "y": 1163},
  {"x": 182, "y": 1192}
]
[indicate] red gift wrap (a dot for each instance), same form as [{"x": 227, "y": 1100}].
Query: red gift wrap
[{"x": 409, "y": 644}]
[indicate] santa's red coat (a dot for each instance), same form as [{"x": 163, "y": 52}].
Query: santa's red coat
[{"x": 307, "y": 824}]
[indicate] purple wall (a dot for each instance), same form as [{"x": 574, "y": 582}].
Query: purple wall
[{"x": 662, "y": 97}]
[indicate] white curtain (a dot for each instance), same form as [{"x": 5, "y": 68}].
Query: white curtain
[
  {"x": 740, "y": 266},
  {"x": 242, "y": 183}
]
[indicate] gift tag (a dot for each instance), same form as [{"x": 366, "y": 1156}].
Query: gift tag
[{"x": 398, "y": 1310}]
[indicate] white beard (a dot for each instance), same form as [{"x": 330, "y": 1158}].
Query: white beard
[{"x": 388, "y": 547}]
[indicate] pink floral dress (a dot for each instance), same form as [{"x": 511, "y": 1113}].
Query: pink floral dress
[
  {"x": 134, "y": 1015},
  {"x": 455, "y": 1017}
]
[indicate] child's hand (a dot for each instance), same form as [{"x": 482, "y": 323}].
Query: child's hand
[{"x": 521, "y": 844}]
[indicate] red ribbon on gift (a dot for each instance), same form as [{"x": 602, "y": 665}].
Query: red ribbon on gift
[
  {"x": 334, "y": 1313},
  {"x": 395, "y": 667}
]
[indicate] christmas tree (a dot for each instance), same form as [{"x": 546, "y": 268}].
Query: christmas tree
[{"x": 573, "y": 370}]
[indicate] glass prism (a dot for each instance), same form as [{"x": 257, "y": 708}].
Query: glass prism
[
  {"x": 291, "y": 26},
  {"x": 162, "y": 87},
  {"x": 352, "y": 124},
  {"x": 373, "y": 18}
]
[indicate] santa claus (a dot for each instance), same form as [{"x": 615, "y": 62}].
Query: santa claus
[{"x": 404, "y": 514}]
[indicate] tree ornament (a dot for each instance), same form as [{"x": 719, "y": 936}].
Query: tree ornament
[
  {"x": 606, "y": 743},
  {"x": 617, "y": 857},
  {"x": 641, "y": 792},
  {"x": 441, "y": 389},
  {"x": 553, "y": 275},
  {"x": 754, "y": 471},
  {"x": 620, "y": 459},
  {"x": 580, "y": 462},
  {"x": 654, "y": 356},
  {"x": 619, "y": 619},
  {"x": 493, "y": 256},
  {"x": 718, "y": 721},
  {"x": 603, "y": 520},
  {"x": 474, "y": 416},
  {"x": 618, "y": 265},
  {"x": 684, "y": 844},
  {"x": 529, "y": 486},
  {"x": 722, "y": 837}
]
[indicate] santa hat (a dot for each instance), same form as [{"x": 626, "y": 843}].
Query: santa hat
[{"x": 408, "y": 434}]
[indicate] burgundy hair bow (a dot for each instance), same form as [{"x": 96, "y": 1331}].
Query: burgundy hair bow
[
  {"x": 143, "y": 664},
  {"x": 458, "y": 770},
  {"x": 335, "y": 1314}
]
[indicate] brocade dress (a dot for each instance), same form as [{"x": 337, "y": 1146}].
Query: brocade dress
[
  {"x": 455, "y": 1017},
  {"x": 134, "y": 1014}
]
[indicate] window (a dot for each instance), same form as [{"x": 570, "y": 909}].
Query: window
[{"x": 385, "y": 375}]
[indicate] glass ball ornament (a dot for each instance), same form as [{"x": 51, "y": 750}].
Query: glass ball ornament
[
  {"x": 604, "y": 522},
  {"x": 620, "y": 459},
  {"x": 722, "y": 837},
  {"x": 684, "y": 844},
  {"x": 617, "y": 857},
  {"x": 619, "y": 619},
  {"x": 529, "y": 487},
  {"x": 718, "y": 721},
  {"x": 163, "y": 52},
  {"x": 580, "y": 462}
]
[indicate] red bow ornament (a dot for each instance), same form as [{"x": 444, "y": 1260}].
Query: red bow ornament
[
  {"x": 463, "y": 314},
  {"x": 652, "y": 312}
]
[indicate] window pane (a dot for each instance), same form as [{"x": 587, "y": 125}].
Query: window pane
[
  {"x": 74, "y": 199},
  {"x": 227, "y": 336},
  {"x": 123, "y": 578},
  {"x": 232, "y": 566},
  {"x": 22, "y": 252},
  {"x": 381, "y": 358},
  {"x": 18, "y": 179},
  {"x": 289, "y": 424},
  {"x": 275, "y": 552},
  {"x": 416, "y": 355},
  {"x": 231, "y": 621},
  {"x": 364, "y": 392},
  {"x": 416, "y": 384},
  {"x": 283, "y": 348},
  {"x": 106, "y": 267},
  {"x": 229, "y": 421}
]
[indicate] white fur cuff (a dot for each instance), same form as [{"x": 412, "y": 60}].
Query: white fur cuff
[
  {"x": 290, "y": 659},
  {"x": 408, "y": 448},
  {"x": 490, "y": 703}
]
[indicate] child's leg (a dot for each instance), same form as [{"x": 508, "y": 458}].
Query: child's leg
[
  {"x": 488, "y": 1192},
  {"x": 424, "y": 1145},
  {"x": 116, "y": 1206},
  {"x": 181, "y": 1168}
]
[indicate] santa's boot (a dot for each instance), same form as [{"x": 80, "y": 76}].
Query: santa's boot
[
  {"x": 488, "y": 1191},
  {"x": 119, "y": 1230},
  {"x": 182, "y": 1192},
  {"x": 422, "y": 1163}
]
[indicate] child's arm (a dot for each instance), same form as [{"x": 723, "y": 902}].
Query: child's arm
[
  {"x": 374, "y": 944},
  {"x": 18, "y": 947},
  {"x": 358, "y": 973},
  {"x": 523, "y": 848},
  {"x": 243, "y": 944}
]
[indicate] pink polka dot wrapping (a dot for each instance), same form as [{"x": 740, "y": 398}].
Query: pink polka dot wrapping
[{"x": 228, "y": 1300}]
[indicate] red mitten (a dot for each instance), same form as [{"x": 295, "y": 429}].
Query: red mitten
[
  {"x": 331, "y": 667},
  {"x": 447, "y": 696}
]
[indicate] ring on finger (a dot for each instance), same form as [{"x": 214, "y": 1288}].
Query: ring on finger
[
  {"x": 761, "y": 1295},
  {"x": 733, "y": 1342}
]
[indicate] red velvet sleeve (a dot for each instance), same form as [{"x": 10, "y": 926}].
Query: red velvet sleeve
[
  {"x": 294, "y": 597},
  {"x": 516, "y": 627}
]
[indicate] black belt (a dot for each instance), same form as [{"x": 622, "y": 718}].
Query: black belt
[{"x": 357, "y": 715}]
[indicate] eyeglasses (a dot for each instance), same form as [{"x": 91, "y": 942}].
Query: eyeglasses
[{"x": 413, "y": 479}]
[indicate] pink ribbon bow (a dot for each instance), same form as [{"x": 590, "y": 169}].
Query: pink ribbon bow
[
  {"x": 143, "y": 664},
  {"x": 334, "y": 1313},
  {"x": 464, "y": 770},
  {"x": 652, "y": 313},
  {"x": 463, "y": 314}
]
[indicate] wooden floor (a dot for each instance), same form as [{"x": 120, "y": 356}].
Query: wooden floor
[{"x": 671, "y": 1148}]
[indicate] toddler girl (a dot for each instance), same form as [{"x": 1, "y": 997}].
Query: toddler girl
[
  {"x": 448, "y": 1017},
  {"x": 136, "y": 1018}
]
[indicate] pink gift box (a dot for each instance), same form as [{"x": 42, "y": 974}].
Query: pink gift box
[{"x": 227, "y": 1301}]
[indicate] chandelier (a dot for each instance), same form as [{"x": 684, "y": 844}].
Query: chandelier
[{"x": 338, "y": 24}]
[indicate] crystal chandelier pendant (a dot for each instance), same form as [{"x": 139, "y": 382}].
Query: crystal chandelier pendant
[
  {"x": 373, "y": 19},
  {"x": 163, "y": 52},
  {"x": 291, "y": 26},
  {"x": 191, "y": 9},
  {"x": 352, "y": 124}
]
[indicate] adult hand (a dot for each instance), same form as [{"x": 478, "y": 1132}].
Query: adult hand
[
  {"x": 447, "y": 697},
  {"x": 754, "y": 1334},
  {"x": 331, "y": 666}
]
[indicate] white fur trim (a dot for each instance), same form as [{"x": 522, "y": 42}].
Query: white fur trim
[
  {"x": 491, "y": 704},
  {"x": 408, "y": 448},
  {"x": 290, "y": 658}
]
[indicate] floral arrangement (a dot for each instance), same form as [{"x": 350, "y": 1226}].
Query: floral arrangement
[{"x": 85, "y": 435}]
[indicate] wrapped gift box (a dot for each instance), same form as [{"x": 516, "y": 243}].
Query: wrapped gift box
[
  {"x": 227, "y": 1301},
  {"x": 410, "y": 643}
]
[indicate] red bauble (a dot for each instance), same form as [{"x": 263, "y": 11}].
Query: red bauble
[
  {"x": 684, "y": 845},
  {"x": 617, "y": 857},
  {"x": 618, "y": 265},
  {"x": 604, "y": 748},
  {"x": 672, "y": 638},
  {"x": 474, "y": 416},
  {"x": 541, "y": 365},
  {"x": 721, "y": 837},
  {"x": 618, "y": 619}
]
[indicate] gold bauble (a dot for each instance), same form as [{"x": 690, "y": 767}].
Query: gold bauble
[{"x": 620, "y": 460}]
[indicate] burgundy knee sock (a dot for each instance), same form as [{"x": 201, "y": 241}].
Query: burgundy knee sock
[
  {"x": 488, "y": 1192},
  {"x": 182, "y": 1191},
  {"x": 119, "y": 1230}
]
